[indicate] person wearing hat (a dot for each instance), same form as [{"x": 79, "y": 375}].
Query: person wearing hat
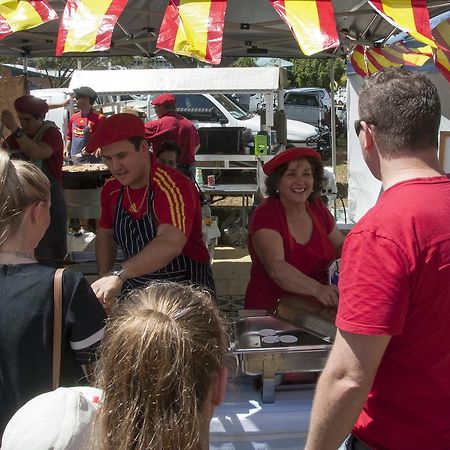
[
  {"x": 292, "y": 237},
  {"x": 62, "y": 419},
  {"x": 150, "y": 210},
  {"x": 83, "y": 123},
  {"x": 171, "y": 126},
  {"x": 40, "y": 141}
]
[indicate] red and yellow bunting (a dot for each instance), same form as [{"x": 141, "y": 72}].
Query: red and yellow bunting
[
  {"x": 194, "y": 28},
  {"x": 87, "y": 25},
  {"x": 407, "y": 15},
  {"x": 312, "y": 23},
  {"x": 442, "y": 57},
  {"x": 23, "y": 14},
  {"x": 358, "y": 60}
]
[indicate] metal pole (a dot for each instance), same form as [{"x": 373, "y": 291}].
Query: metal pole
[{"x": 333, "y": 119}]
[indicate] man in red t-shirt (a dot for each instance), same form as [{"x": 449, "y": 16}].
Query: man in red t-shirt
[
  {"x": 150, "y": 210},
  {"x": 389, "y": 366},
  {"x": 82, "y": 124},
  {"x": 171, "y": 126},
  {"x": 40, "y": 141}
]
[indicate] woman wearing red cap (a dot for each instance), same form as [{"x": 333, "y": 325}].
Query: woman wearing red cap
[{"x": 292, "y": 236}]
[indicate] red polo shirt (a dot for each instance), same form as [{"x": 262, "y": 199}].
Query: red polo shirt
[{"x": 174, "y": 127}]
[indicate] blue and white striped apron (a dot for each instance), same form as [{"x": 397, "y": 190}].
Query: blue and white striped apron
[{"x": 133, "y": 235}]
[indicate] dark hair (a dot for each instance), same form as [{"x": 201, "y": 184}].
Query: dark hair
[
  {"x": 405, "y": 109},
  {"x": 273, "y": 180},
  {"x": 168, "y": 146},
  {"x": 91, "y": 99},
  {"x": 136, "y": 141}
]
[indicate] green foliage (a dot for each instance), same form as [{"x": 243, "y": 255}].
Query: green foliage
[
  {"x": 244, "y": 61},
  {"x": 316, "y": 72}
]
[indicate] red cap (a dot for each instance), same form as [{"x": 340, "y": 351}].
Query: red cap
[
  {"x": 163, "y": 98},
  {"x": 287, "y": 156},
  {"x": 118, "y": 127},
  {"x": 29, "y": 104}
]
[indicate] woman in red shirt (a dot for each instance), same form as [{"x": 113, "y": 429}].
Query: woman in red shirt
[{"x": 292, "y": 236}]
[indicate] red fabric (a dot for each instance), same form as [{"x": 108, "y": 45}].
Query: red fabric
[
  {"x": 289, "y": 155},
  {"x": 53, "y": 138},
  {"x": 312, "y": 258},
  {"x": 29, "y": 104},
  {"x": 395, "y": 280},
  {"x": 173, "y": 193},
  {"x": 164, "y": 98},
  {"x": 174, "y": 127}
]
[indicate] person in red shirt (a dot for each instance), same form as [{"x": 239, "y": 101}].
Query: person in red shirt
[
  {"x": 292, "y": 237},
  {"x": 150, "y": 210},
  {"x": 171, "y": 126},
  {"x": 40, "y": 141},
  {"x": 82, "y": 124},
  {"x": 389, "y": 366}
]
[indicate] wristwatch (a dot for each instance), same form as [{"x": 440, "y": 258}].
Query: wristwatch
[
  {"x": 18, "y": 133},
  {"x": 120, "y": 273}
]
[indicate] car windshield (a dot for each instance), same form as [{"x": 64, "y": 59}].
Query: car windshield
[{"x": 236, "y": 111}]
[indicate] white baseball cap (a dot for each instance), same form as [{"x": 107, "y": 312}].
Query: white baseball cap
[{"x": 59, "y": 420}]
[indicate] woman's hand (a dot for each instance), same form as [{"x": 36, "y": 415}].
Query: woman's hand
[
  {"x": 8, "y": 120},
  {"x": 327, "y": 294}
]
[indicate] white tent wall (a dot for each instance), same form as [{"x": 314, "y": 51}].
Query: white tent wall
[{"x": 363, "y": 187}]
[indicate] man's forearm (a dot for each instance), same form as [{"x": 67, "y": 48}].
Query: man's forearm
[
  {"x": 337, "y": 405},
  {"x": 105, "y": 252}
]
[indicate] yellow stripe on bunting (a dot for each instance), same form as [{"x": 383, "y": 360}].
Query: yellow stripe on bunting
[
  {"x": 194, "y": 28},
  {"x": 442, "y": 57},
  {"x": 23, "y": 15},
  {"x": 87, "y": 25},
  {"x": 407, "y": 15},
  {"x": 312, "y": 23}
]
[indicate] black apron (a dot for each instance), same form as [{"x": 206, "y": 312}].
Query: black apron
[{"x": 133, "y": 235}]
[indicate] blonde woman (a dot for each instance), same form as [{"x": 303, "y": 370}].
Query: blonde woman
[
  {"x": 26, "y": 296},
  {"x": 162, "y": 370}
]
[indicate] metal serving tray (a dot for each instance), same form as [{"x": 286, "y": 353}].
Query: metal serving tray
[{"x": 309, "y": 354}]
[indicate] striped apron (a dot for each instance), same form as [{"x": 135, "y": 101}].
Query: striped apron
[{"x": 133, "y": 235}]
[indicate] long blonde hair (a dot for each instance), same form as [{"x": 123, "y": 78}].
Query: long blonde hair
[
  {"x": 21, "y": 185},
  {"x": 162, "y": 349}
]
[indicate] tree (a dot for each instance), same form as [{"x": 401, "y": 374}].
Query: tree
[
  {"x": 310, "y": 72},
  {"x": 244, "y": 61}
]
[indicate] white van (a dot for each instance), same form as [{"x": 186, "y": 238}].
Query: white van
[{"x": 213, "y": 110}]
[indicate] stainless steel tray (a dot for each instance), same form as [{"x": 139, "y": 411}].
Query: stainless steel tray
[{"x": 309, "y": 354}]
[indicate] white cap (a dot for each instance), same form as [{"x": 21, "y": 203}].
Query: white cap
[{"x": 57, "y": 420}]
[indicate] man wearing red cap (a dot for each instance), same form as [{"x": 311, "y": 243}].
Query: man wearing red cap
[
  {"x": 40, "y": 141},
  {"x": 151, "y": 211},
  {"x": 171, "y": 126}
]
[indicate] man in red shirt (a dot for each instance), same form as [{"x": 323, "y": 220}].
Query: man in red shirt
[
  {"x": 40, "y": 141},
  {"x": 171, "y": 126},
  {"x": 389, "y": 366},
  {"x": 150, "y": 210},
  {"x": 82, "y": 124}
]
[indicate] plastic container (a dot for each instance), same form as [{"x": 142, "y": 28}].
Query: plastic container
[
  {"x": 270, "y": 341},
  {"x": 288, "y": 339},
  {"x": 267, "y": 332},
  {"x": 198, "y": 176}
]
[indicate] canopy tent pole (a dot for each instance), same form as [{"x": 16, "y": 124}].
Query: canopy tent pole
[{"x": 333, "y": 119}]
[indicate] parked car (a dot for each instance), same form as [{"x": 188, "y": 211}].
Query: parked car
[
  {"x": 321, "y": 92},
  {"x": 305, "y": 106},
  {"x": 212, "y": 110}
]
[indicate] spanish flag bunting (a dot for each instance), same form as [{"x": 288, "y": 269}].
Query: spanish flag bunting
[
  {"x": 87, "y": 25},
  {"x": 22, "y": 15},
  {"x": 377, "y": 57},
  {"x": 358, "y": 60},
  {"x": 404, "y": 56},
  {"x": 311, "y": 21},
  {"x": 407, "y": 15},
  {"x": 194, "y": 28},
  {"x": 441, "y": 57}
]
